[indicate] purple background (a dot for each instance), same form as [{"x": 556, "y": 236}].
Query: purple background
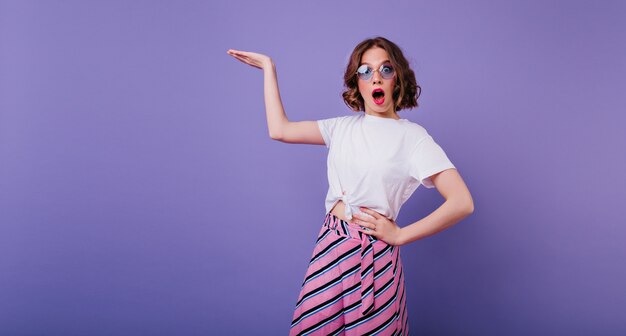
[{"x": 140, "y": 192}]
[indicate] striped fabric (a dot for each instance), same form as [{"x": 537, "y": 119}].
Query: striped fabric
[{"x": 354, "y": 285}]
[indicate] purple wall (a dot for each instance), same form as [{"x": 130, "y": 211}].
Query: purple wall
[{"x": 140, "y": 192}]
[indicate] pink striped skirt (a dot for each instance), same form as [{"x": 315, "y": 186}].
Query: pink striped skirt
[{"x": 354, "y": 285}]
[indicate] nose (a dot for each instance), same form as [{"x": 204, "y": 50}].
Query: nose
[{"x": 376, "y": 77}]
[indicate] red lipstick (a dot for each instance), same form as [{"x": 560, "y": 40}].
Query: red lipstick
[{"x": 379, "y": 96}]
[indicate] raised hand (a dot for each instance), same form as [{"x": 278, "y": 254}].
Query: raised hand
[{"x": 251, "y": 58}]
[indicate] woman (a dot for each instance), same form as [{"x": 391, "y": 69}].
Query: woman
[{"x": 354, "y": 284}]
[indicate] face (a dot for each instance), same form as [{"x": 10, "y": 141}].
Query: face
[{"x": 377, "y": 103}]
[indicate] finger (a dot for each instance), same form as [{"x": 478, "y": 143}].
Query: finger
[
  {"x": 371, "y": 212},
  {"x": 240, "y": 56},
  {"x": 366, "y": 224},
  {"x": 246, "y": 60},
  {"x": 241, "y": 52},
  {"x": 371, "y": 233},
  {"x": 233, "y": 52},
  {"x": 241, "y": 59},
  {"x": 362, "y": 218}
]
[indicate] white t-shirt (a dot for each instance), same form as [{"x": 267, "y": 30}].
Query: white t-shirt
[{"x": 378, "y": 162}]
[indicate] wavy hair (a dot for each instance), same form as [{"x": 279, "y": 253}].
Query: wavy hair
[{"x": 405, "y": 93}]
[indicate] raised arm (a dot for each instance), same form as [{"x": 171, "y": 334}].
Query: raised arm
[{"x": 280, "y": 128}]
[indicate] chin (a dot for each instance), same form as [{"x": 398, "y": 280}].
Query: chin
[{"x": 380, "y": 108}]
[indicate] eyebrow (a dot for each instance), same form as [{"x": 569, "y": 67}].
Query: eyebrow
[{"x": 381, "y": 63}]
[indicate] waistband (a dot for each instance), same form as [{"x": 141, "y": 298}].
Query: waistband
[{"x": 346, "y": 229}]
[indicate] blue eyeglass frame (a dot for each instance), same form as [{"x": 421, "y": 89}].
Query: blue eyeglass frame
[{"x": 368, "y": 76}]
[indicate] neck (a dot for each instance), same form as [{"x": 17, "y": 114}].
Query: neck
[{"x": 389, "y": 114}]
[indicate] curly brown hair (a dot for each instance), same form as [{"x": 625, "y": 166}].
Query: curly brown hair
[{"x": 406, "y": 85}]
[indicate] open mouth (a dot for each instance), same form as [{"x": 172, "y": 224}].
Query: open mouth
[{"x": 379, "y": 96}]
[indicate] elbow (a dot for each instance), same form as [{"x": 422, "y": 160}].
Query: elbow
[
  {"x": 276, "y": 136},
  {"x": 277, "y": 130},
  {"x": 464, "y": 207},
  {"x": 277, "y": 133},
  {"x": 468, "y": 209}
]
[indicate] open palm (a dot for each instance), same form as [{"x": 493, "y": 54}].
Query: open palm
[{"x": 254, "y": 59}]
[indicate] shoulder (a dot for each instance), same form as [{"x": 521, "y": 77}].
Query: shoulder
[
  {"x": 349, "y": 117},
  {"x": 344, "y": 119},
  {"x": 416, "y": 131}
]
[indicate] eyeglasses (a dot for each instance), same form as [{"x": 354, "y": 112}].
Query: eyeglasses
[{"x": 365, "y": 72}]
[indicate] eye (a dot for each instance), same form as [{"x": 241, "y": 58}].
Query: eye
[
  {"x": 364, "y": 69},
  {"x": 386, "y": 68}
]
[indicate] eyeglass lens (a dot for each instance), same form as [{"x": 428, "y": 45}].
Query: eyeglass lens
[{"x": 365, "y": 72}]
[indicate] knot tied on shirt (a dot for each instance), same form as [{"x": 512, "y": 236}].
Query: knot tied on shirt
[{"x": 347, "y": 205}]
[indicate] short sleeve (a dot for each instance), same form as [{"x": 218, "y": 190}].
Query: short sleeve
[
  {"x": 327, "y": 126},
  {"x": 427, "y": 159}
]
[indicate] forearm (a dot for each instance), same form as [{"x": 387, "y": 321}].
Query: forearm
[
  {"x": 448, "y": 214},
  {"x": 276, "y": 117}
]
